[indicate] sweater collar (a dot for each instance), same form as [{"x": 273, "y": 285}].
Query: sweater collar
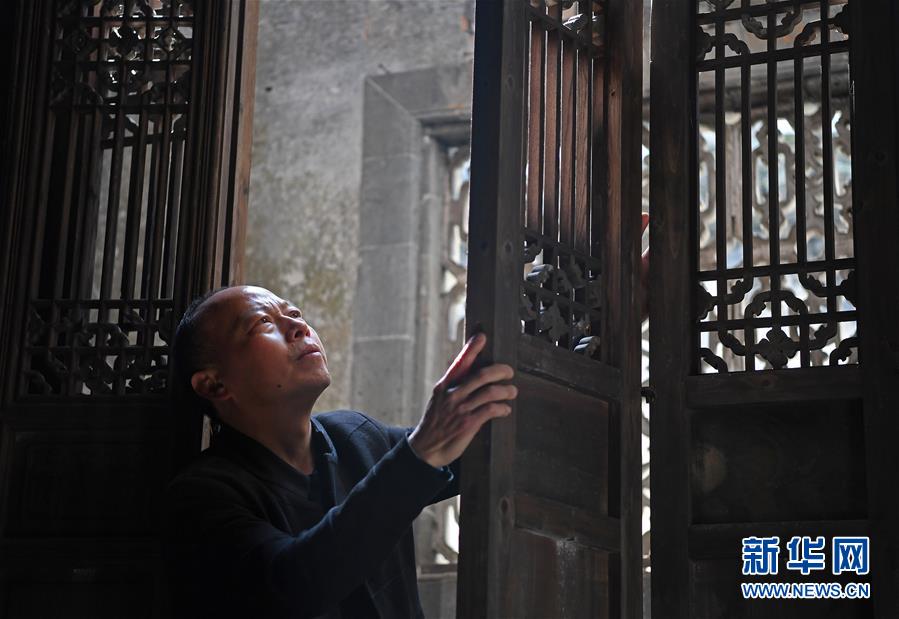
[{"x": 267, "y": 465}]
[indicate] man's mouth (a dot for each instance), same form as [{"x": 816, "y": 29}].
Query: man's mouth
[{"x": 308, "y": 350}]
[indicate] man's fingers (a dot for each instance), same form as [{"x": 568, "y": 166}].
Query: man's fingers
[
  {"x": 491, "y": 393},
  {"x": 490, "y": 374},
  {"x": 485, "y": 413},
  {"x": 464, "y": 360}
]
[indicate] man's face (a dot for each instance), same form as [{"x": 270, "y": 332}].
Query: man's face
[{"x": 265, "y": 350}]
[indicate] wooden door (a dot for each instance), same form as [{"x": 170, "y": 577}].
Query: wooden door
[
  {"x": 773, "y": 316},
  {"x": 125, "y": 174},
  {"x": 550, "y": 513}
]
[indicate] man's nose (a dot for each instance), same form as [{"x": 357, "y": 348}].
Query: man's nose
[{"x": 297, "y": 329}]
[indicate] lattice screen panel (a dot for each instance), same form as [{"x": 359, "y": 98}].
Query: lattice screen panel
[
  {"x": 100, "y": 310},
  {"x": 560, "y": 300},
  {"x": 774, "y": 236}
]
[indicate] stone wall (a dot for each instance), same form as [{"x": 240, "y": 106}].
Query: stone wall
[{"x": 303, "y": 231}]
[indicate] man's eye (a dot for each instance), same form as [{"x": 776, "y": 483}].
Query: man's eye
[
  {"x": 265, "y": 319},
  {"x": 296, "y": 314}
]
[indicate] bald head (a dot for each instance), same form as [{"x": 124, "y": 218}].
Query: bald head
[
  {"x": 225, "y": 327},
  {"x": 193, "y": 351}
]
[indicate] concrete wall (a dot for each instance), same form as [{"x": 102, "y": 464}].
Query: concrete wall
[{"x": 303, "y": 231}]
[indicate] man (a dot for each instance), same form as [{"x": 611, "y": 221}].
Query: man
[{"x": 290, "y": 515}]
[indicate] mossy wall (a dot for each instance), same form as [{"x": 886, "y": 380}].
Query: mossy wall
[{"x": 303, "y": 226}]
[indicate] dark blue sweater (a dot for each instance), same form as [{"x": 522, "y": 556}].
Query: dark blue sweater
[{"x": 243, "y": 538}]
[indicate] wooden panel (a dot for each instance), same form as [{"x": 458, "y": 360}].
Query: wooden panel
[
  {"x": 63, "y": 577},
  {"x": 110, "y": 598},
  {"x": 562, "y": 445},
  {"x": 82, "y": 483},
  {"x": 787, "y": 462},
  {"x": 82, "y": 589},
  {"x": 558, "y": 578}
]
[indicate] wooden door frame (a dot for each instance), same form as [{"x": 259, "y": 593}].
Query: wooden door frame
[
  {"x": 672, "y": 234},
  {"x": 488, "y": 511},
  {"x": 212, "y": 239},
  {"x": 210, "y": 251}
]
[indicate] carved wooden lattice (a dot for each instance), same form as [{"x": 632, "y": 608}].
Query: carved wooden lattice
[
  {"x": 551, "y": 523},
  {"x": 100, "y": 311},
  {"x": 774, "y": 237},
  {"x": 560, "y": 299}
]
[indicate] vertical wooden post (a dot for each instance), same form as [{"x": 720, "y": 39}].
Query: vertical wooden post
[
  {"x": 494, "y": 265},
  {"x": 875, "y": 164},
  {"x": 621, "y": 260},
  {"x": 671, "y": 134}
]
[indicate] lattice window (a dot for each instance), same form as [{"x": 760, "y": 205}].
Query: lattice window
[
  {"x": 560, "y": 300},
  {"x": 774, "y": 237},
  {"x": 443, "y": 518},
  {"x": 100, "y": 305}
]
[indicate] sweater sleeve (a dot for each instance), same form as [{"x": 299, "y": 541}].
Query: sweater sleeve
[
  {"x": 311, "y": 572},
  {"x": 451, "y": 489}
]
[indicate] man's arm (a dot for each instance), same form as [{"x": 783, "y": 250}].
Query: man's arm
[
  {"x": 311, "y": 572},
  {"x": 314, "y": 570},
  {"x": 395, "y": 434}
]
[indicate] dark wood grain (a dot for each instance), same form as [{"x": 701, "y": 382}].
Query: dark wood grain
[
  {"x": 582, "y": 151},
  {"x": 498, "y": 153},
  {"x": 567, "y": 144},
  {"x": 671, "y": 134},
  {"x": 770, "y": 386},
  {"x": 875, "y": 161},
  {"x": 545, "y": 360},
  {"x": 620, "y": 334},
  {"x": 552, "y": 130},
  {"x": 536, "y": 135},
  {"x": 563, "y": 522}
]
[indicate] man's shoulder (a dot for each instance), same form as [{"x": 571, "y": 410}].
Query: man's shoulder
[
  {"x": 347, "y": 422},
  {"x": 212, "y": 471},
  {"x": 345, "y": 419},
  {"x": 353, "y": 427}
]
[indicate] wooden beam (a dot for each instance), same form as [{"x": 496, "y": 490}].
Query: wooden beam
[
  {"x": 771, "y": 386},
  {"x": 564, "y": 522},
  {"x": 558, "y": 364}
]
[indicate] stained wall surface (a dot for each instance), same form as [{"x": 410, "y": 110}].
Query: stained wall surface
[{"x": 303, "y": 228}]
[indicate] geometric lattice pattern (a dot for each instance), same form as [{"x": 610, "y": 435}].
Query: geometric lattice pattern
[
  {"x": 775, "y": 285},
  {"x": 99, "y": 315},
  {"x": 97, "y": 348},
  {"x": 560, "y": 298},
  {"x": 114, "y": 53}
]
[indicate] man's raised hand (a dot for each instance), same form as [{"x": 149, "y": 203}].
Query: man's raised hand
[{"x": 462, "y": 401}]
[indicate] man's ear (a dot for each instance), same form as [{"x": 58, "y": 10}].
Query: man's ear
[{"x": 207, "y": 385}]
